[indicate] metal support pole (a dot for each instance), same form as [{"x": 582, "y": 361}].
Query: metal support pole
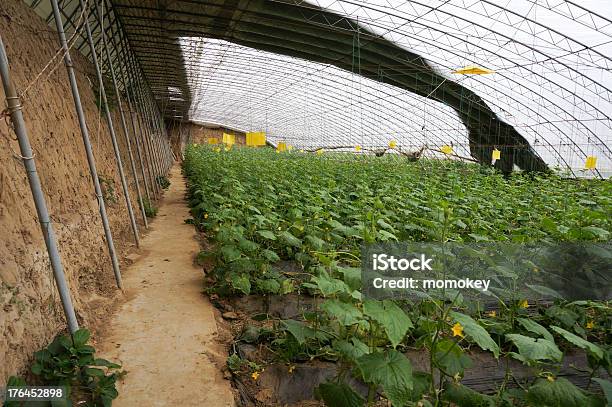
[
  {"x": 156, "y": 143},
  {"x": 143, "y": 130},
  {"x": 85, "y": 134},
  {"x": 121, "y": 114},
  {"x": 109, "y": 120},
  {"x": 129, "y": 86},
  {"x": 147, "y": 139},
  {"x": 128, "y": 89},
  {"x": 14, "y": 109},
  {"x": 148, "y": 125}
]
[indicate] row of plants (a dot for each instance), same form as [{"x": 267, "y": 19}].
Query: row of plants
[{"x": 261, "y": 209}]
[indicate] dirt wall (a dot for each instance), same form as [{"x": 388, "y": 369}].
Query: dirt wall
[
  {"x": 182, "y": 134},
  {"x": 30, "y": 311}
]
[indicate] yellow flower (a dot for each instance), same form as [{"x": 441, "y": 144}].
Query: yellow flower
[
  {"x": 458, "y": 330},
  {"x": 550, "y": 378},
  {"x": 492, "y": 314},
  {"x": 392, "y": 144},
  {"x": 205, "y": 216},
  {"x": 319, "y": 152},
  {"x": 291, "y": 369},
  {"x": 278, "y": 151},
  {"x": 255, "y": 375},
  {"x": 357, "y": 148},
  {"x": 446, "y": 149},
  {"x": 524, "y": 304},
  {"x": 590, "y": 325},
  {"x": 217, "y": 150}
]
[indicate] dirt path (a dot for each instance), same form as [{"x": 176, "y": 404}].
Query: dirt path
[{"x": 166, "y": 328}]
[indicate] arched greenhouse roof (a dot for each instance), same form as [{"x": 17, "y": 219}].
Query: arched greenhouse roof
[{"x": 330, "y": 73}]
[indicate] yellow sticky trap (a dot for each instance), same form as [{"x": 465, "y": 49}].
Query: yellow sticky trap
[
  {"x": 281, "y": 147},
  {"x": 446, "y": 149},
  {"x": 357, "y": 148},
  {"x": 213, "y": 140},
  {"x": 320, "y": 152},
  {"x": 473, "y": 70},
  {"x": 256, "y": 138},
  {"x": 496, "y": 154},
  {"x": 591, "y": 163},
  {"x": 229, "y": 139},
  {"x": 392, "y": 144}
]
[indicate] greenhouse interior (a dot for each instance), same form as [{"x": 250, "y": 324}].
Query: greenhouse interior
[{"x": 339, "y": 203}]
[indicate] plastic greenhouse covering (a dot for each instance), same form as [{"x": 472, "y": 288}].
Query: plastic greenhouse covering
[{"x": 322, "y": 73}]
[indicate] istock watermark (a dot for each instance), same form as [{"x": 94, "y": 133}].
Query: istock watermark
[{"x": 490, "y": 271}]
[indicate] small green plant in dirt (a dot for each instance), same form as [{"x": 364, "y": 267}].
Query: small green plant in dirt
[
  {"x": 108, "y": 190},
  {"x": 163, "y": 182},
  {"x": 149, "y": 208},
  {"x": 69, "y": 361}
]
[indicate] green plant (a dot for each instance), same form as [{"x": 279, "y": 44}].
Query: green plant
[
  {"x": 108, "y": 190},
  {"x": 71, "y": 362},
  {"x": 163, "y": 181},
  {"x": 150, "y": 210}
]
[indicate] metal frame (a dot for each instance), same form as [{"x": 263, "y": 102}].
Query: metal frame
[{"x": 542, "y": 87}]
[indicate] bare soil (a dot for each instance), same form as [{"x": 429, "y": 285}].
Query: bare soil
[{"x": 165, "y": 333}]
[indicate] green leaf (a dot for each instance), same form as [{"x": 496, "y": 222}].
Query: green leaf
[
  {"x": 451, "y": 357},
  {"x": 268, "y": 285},
  {"x": 315, "y": 242},
  {"x": 606, "y": 386},
  {"x": 339, "y": 395},
  {"x": 392, "y": 318},
  {"x": 346, "y": 314},
  {"x": 578, "y": 341},
  {"x": 328, "y": 285},
  {"x": 230, "y": 253},
  {"x": 596, "y": 232},
  {"x": 387, "y": 235},
  {"x": 241, "y": 282},
  {"x": 352, "y": 350},
  {"x": 545, "y": 291},
  {"x": 234, "y": 363},
  {"x": 286, "y": 286},
  {"x": 298, "y": 330},
  {"x": 559, "y": 393},
  {"x": 463, "y": 396},
  {"x": 478, "y": 238},
  {"x": 106, "y": 363},
  {"x": 535, "y": 328},
  {"x": 247, "y": 246},
  {"x": 476, "y": 332},
  {"x": 80, "y": 337},
  {"x": 268, "y": 234},
  {"x": 531, "y": 349},
  {"x": 92, "y": 371},
  {"x": 269, "y": 255},
  {"x": 391, "y": 370},
  {"x": 290, "y": 239},
  {"x": 352, "y": 277}
]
